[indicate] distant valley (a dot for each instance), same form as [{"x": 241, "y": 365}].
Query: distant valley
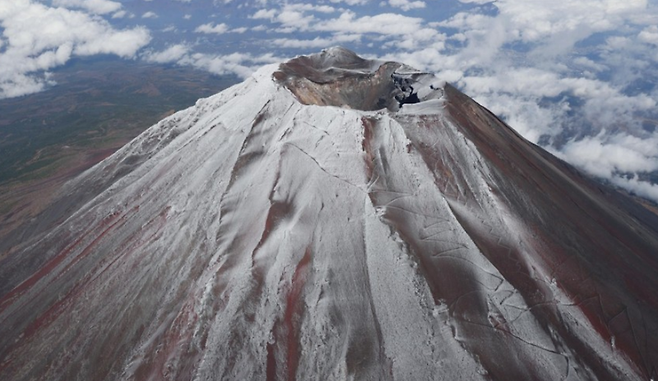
[{"x": 94, "y": 108}]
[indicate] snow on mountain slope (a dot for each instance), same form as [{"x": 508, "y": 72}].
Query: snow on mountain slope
[{"x": 332, "y": 218}]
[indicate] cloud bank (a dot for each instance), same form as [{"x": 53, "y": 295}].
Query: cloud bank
[
  {"x": 240, "y": 64},
  {"x": 36, "y": 38},
  {"x": 562, "y": 73}
]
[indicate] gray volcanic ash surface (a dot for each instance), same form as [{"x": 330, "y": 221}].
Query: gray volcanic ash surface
[{"x": 332, "y": 218}]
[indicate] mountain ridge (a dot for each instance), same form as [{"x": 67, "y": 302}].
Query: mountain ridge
[{"x": 264, "y": 235}]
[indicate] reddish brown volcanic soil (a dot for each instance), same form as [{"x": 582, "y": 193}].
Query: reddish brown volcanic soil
[
  {"x": 28, "y": 199},
  {"x": 332, "y": 218}
]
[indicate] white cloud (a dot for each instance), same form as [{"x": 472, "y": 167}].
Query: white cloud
[
  {"x": 173, "y": 53},
  {"x": 21, "y": 85},
  {"x": 293, "y": 20},
  {"x": 317, "y": 43},
  {"x": 240, "y": 64},
  {"x": 350, "y": 2},
  {"x": 649, "y": 35},
  {"x": 50, "y": 38},
  {"x": 119, "y": 15},
  {"x": 556, "y": 25},
  {"x": 589, "y": 64},
  {"x": 640, "y": 188},
  {"x": 395, "y": 30},
  {"x": 384, "y": 24},
  {"x": 407, "y": 5},
  {"x": 310, "y": 7},
  {"x": 613, "y": 156},
  {"x": 264, "y": 14},
  {"x": 605, "y": 155},
  {"x": 626, "y": 6},
  {"x": 123, "y": 43},
  {"x": 150, "y": 15},
  {"x": 210, "y": 28},
  {"x": 94, "y": 6},
  {"x": 535, "y": 19}
]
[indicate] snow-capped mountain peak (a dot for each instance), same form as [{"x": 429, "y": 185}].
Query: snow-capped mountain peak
[{"x": 332, "y": 218}]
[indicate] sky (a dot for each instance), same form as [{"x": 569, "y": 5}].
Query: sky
[{"x": 579, "y": 78}]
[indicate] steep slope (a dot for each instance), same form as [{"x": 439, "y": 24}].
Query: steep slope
[{"x": 332, "y": 218}]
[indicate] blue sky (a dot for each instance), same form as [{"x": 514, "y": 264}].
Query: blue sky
[{"x": 577, "y": 77}]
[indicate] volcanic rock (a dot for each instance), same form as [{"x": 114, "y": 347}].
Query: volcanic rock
[{"x": 332, "y": 218}]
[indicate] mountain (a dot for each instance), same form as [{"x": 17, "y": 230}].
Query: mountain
[
  {"x": 332, "y": 217},
  {"x": 96, "y": 107}
]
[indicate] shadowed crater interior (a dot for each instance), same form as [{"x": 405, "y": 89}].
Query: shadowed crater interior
[{"x": 338, "y": 77}]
